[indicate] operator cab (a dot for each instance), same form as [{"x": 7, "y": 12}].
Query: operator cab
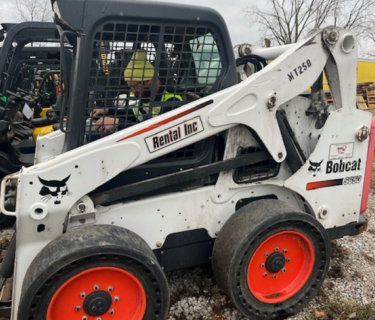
[
  {"x": 190, "y": 60},
  {"x": 184, "y": 52}
]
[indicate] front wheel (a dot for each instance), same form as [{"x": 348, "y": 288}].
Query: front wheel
[
  {"x": 95, "y": 272},
  {"x": 270, "y": 259}
]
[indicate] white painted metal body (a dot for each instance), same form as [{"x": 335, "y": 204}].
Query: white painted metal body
[
  {"x": 270, "y": 53},
  {"x": 243, "y": 105}
]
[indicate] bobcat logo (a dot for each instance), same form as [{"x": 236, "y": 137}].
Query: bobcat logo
[
  {"x": 315, "y": 167},
  {"x": 54, "y": 189}
]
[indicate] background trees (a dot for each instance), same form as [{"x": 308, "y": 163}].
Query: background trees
[{"x": 286, "y": 21}]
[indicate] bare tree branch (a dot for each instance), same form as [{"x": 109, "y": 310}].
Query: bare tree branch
[
  {"x": 33, "y": 10},
  {"x": 286, "y": 21}
]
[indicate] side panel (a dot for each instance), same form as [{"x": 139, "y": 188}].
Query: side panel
[{"x": 332, "y": 178}]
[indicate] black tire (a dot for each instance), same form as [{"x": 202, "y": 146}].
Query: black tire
[
  {"x": 6, "y": 221},
  {"x": 88, "y": 271},
  {"x": 252, "y": 264},
  {"x": 7, "y": 265}
]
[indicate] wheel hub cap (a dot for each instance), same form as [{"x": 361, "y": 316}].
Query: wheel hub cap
[
  {"x": 275, "y": 262},
  {"x": 97, "y": 303},
  {"x": 280, "y": 266},
  {"x": 100, "y": 292}
]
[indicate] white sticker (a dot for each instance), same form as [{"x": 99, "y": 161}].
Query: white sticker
[
  {"x": 341, "y": 151},
  {"x": 174, "y": 134},
  {"x": 27, "y": 112}
]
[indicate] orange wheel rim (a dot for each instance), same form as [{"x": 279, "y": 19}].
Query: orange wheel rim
[
  {"x": 112, "y": 292},
  {"x": 280, "y": 266}
]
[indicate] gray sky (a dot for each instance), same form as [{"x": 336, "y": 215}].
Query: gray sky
[
  {"x": 231, "y": 10},
  {"x": 6, "y": 14}
]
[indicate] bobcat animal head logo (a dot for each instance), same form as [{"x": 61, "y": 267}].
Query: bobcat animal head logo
[
  {"x": 315, "y": 167},
  {"x": 56, "y": 189}
]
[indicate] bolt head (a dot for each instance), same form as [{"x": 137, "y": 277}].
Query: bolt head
[
  {"x": 271, "y": 101},
  {"x": 323, "y": 212},
  {"x": 363, "y": 133},
  {"x": 333, "y": 35}
]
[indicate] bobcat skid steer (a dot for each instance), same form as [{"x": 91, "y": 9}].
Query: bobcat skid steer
[{"x": 168, "y": 160}]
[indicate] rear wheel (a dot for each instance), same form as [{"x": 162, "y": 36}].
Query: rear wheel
[
  {"x": 270, "y": 259},
  {"x": 96, "y": 272}
]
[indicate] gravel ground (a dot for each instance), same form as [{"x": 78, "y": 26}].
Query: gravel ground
[{"x": 351, "y": 279}]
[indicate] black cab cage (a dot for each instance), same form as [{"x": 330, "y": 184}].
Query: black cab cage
[
  {"x": 136, "y": 60},
  {"x": 13, "y": 48},
  {"x": 32, "y": 66}
]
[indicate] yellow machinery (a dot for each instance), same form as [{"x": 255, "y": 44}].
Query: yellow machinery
[{"x": 365, "y": 72}]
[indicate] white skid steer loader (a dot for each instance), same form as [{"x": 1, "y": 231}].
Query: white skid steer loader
[{"x": 173, "y": 153}]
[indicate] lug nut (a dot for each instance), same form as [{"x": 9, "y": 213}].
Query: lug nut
[
  {"x": 285, "y": 250},
  {"x": 265, "y": 274},
  {"x": 82, "y": 294},
  {"x": 262, "y": 265},
  {"x": 116, "y": 299},
  {"x": 78, "y": 308},
  {"x": 96, "y": 287},
  {"x": 287, "y": 259},
  {"x": 276, "y": 248},
  {"x": 110, "y": 289},
  {"x": 274, "y": 276},
  {"x": 266, "y": 254},
  {"x": 84, "y": 318},
  {"x": 283, "y": 269},
  {"x": 112, "y": 311}
]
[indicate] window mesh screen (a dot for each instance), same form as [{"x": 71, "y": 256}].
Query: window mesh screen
[
  {"x": 140, "y": 71},
  {"x": 258, "y": 171}
]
